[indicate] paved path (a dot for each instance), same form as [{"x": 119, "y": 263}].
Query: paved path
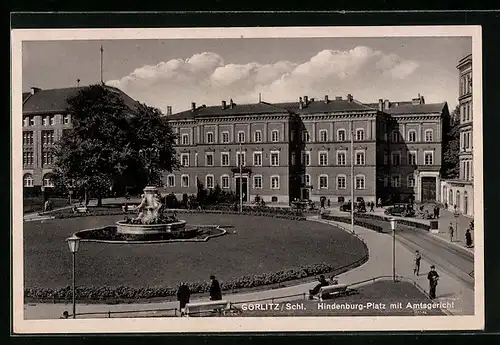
[{"x": 379, "y": 264}]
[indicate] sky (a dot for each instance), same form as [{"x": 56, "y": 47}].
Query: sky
[{"x": 177, "y": 72}]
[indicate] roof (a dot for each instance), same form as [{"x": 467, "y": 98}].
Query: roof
[
  {"x": 407, "y": 109},
  {"x": 55, "y": 100},
  {"x": 238, "y": 109},
  {"x": 332, "y": 106}
]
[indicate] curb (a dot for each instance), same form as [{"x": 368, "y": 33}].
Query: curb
[{"x": 470, "y": 251}]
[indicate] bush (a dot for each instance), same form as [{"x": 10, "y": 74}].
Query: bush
[
  {"x": 126, "y": 292},
  {"x": 356, "y": 222}
]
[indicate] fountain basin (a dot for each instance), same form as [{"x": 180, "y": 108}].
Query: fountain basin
[{"x": 150, "y": 229}]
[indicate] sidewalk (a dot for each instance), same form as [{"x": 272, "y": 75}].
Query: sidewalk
[{"x": 378, "y": 264}]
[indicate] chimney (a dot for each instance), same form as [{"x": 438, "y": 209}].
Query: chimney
[
  {"x": 338, "y": 98},
  {"x": 169, "y": 110},
  {"x": 380, "y": 104},
  {"x": 349, "y": 98},
  {"x": 35, "y": 90},
  {"x": 387, "y": 104},
  {"x": 223, "y": 105},
  {"x": 301, "y": 103},
  {"x": 326, "y": 99},
  {"x": 193, "y": 106},
  {"x": 231, "y": 103}
]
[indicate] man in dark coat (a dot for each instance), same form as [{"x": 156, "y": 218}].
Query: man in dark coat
[
  {"x": 183, "y": 295},
  {"x": 468, "y": 238},
  {"x": 433, "y": 278},
  {"x": 215, "y": 292},
  {"x": 322, "y": 282}
]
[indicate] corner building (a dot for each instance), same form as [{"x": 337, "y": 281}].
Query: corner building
[{"x": 303, "y": 149}]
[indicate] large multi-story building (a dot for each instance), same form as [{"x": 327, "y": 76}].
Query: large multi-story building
[
  {"x": 458, "y": 193},
  {"x": 45, "y": 117},
  {"x": 303, "y": 149}
]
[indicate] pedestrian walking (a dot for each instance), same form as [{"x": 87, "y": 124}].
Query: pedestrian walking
[
  {"x": 437, "y": 211},
  {"x": 418, "y": 258},
  {"x": 328, "y": 203},
  {"x": 215, "y": 292},
  {"x": 372, "y": 205},
  {"x": 183, "y": 295},
  {"x": 379, "y": 202},
  {"x": 433, "y": 278},
  {"x": 468, "y": 238},
  {"x": 452, "y": 231}
]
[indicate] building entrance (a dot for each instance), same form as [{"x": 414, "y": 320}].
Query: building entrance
[
  {"x": 244, "y": 187},
  {"x": 428, "y": 189},
  {"x": 305, "y": 194}
]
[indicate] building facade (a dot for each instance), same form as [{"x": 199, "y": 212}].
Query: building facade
[
  {"x": 45, "y": 118},
  {"x": 302, "y": 150},
  {"x": 458, "y": 194}
]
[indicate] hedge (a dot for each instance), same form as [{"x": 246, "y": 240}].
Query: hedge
[
  {"x": 126, "y": 292},
  {"x": 400, "y": 221},
  {"x": 356, "y": 222}
]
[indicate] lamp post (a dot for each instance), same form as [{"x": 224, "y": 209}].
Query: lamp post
[
  {"x": 73, "y": 243},
  {"x": 42, "y": 188},
  {"x": 393, "y": 228}
]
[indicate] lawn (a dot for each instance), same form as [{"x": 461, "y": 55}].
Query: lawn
[
  {"x": 260, "y": 244},
  {"x": 376, "y": 299},
  {"x": 34, "y": 204}
]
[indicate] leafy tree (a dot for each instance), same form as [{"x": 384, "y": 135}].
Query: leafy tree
[
  {"x": 452, "y": 146},
  {"x": 101, "y": 150}
]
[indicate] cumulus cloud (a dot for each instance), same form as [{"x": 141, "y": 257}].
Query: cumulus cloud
[{"x": 207, "y": 78}]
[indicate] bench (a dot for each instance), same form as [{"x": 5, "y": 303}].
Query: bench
[
  {"x": 80, "y": 209},
  {"x": 129, "y": 208},
  {"x": 331, "y": 291},
  {"x": 210, "y": 308}
]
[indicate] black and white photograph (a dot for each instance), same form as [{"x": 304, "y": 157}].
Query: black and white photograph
[{"x": 247, "y": 179}]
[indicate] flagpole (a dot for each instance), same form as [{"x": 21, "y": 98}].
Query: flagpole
[{"x": 352, "y": 178}]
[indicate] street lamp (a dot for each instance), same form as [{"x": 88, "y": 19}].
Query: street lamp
[
  {"x": 393, "y": 228},
  {"x": 73, "y": 243},
  {"x": 42, "y": 188}
]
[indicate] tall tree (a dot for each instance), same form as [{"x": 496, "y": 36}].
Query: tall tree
[{"x": 452, "y": 146}]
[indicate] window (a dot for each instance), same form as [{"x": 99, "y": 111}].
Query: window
[
  {"x": 52, "y": 120},
  {"x": 323, "y": 158},
  {"x": 224, "y": 181},
  {"x": 306, "y": 179},
  {"x": 395, "y": 136},
  {"x": 225, "y": 137},
  {"x": 27, "y": 138},
  {"x": 412, "y": 136},
  {"x": 386, "y": 181},
  {"x": 210, "y": 138},
  {"x": 428, "y": 158},
  {"x": 224, "y": 158},
  {"x": 46, "y": 120},
  {"x": 48, "y": 137},
  {"x": 241, "y": 158},
  {"x": 360, "y": 134},
  {"x": 360, "y": 182},
  {"x": 466, "y": 170},
  {"x": 209, "y": 159},
  {"x": 457, "y": 200},
  {"x": 341, "y": 182},
  {"x": 241, "y": 137},
  {"x": 395, "y": 158},
  {"x": 386, "y": 158},
  {"x": 257, "y": 136},
  {"x": 31, "y": 121},
  {"x": 67, "y": 119},
  {"x": 209, "y": 181},
  {"x": 257, "y": 182},
  {"x": 428, "y": 135},
  {"x": 185, "y": 139},
  {"x": 28, "y": 180},
  {"x": 185, "y": 180},
  {"x": 360, "y": 158},
  {"x": 341, "y": 135},
  {"x": 257, "y": 159},
  {"x": 47, "y": 157},
  {"x": 323, "y": 182},
  {"x": 412, "y": 158},
  {"x": 306, "y": 158},
  {"x": 47, "y": 180},
  {"x": 185, "y": 159},
  {"x": 293, "y": 158},
  {"x": 275, "y": 159},
  {"x": 28, "y": 158},
  {"x": 306, "y": 137},
  {"x": 170, "y": 181},
  {"x": 275, "y": 182},
  {"x": 341, "y": 157},
  {"x": 396, "y": 181},
  {"x": 323, "y": 135},
  {"x": 275, "y": 135}
]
